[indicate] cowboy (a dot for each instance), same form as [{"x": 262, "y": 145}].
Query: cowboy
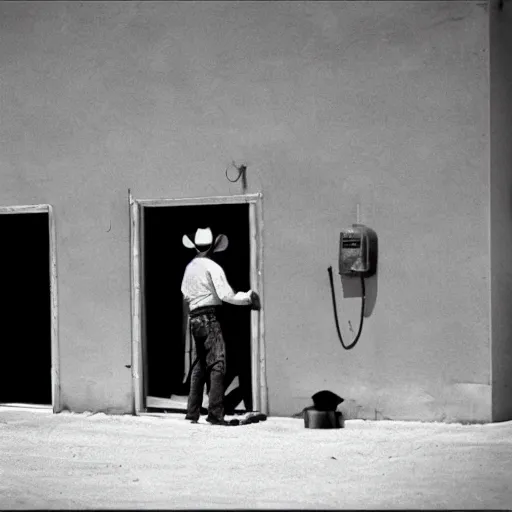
[{"x": 204, "y": 288}]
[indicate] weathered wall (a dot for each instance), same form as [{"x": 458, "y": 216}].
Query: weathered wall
[
  {"x": 331, "y": 105},
  {"x": 501, "y": 210}
]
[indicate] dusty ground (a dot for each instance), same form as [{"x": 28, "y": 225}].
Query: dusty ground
[{"x": 80, "y": 461}]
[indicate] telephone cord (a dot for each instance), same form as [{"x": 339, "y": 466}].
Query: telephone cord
[{"x": 361, "y": 320}]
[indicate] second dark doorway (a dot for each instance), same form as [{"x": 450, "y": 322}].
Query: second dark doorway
[{"x": 25, "y": 303}]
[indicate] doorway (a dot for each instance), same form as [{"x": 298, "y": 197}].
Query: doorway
[
  {"x": 162, "y": 345},
  {"x": 26, "y": 305},
  {"x": 169, "y": 357}
]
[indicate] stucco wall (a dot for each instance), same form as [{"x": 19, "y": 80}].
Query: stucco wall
[
  {"x": 332, "y": 105},
  {"x": 501, "y": 212}
]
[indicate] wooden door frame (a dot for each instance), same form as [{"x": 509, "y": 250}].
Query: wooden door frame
[
  {"x": 55, "y": 371},
  {"x": 258, "y": 371}
]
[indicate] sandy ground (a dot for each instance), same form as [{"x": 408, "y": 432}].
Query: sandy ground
[{"x": 83, "y": 461}]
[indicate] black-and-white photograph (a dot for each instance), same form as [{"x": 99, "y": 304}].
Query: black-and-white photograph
[{"x": 257, "y": 254}]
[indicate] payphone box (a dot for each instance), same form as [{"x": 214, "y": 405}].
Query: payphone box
[{"x": 358, "y": 251}]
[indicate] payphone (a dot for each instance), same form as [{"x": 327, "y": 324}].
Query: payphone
[{"x": 357, "y": 258}]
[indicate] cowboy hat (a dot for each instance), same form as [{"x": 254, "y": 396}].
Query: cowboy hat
[{"x": 203, "y": 240}]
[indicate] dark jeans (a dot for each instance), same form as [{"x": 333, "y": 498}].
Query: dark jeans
[{"x": 209, "y": 367}]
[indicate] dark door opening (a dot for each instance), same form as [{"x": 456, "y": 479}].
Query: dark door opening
[
  {"x": 167, "y": 357},
  {"x": 25, "y": 304}
]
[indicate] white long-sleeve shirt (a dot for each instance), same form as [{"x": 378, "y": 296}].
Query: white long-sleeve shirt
[{"x": 205, "y": 284}]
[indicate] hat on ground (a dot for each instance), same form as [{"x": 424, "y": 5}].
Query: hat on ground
[
  {"x": 203, "y": 241},
  {"x": 326, "y": 400}
]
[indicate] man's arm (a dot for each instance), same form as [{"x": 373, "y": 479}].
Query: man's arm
[{"x": 224, "y": 290}]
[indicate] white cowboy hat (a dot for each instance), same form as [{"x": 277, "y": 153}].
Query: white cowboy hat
[{"x": 203, "y": 240}]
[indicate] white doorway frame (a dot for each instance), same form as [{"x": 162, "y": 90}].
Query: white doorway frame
[
  {"x": 255, "y": 202},
  {"x": 55, "y": 371}
]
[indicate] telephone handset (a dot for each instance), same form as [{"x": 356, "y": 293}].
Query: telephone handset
[{"x": 357, "y": 258}]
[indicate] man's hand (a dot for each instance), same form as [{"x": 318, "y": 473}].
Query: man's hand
[{"x": 255, "y": 301}]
